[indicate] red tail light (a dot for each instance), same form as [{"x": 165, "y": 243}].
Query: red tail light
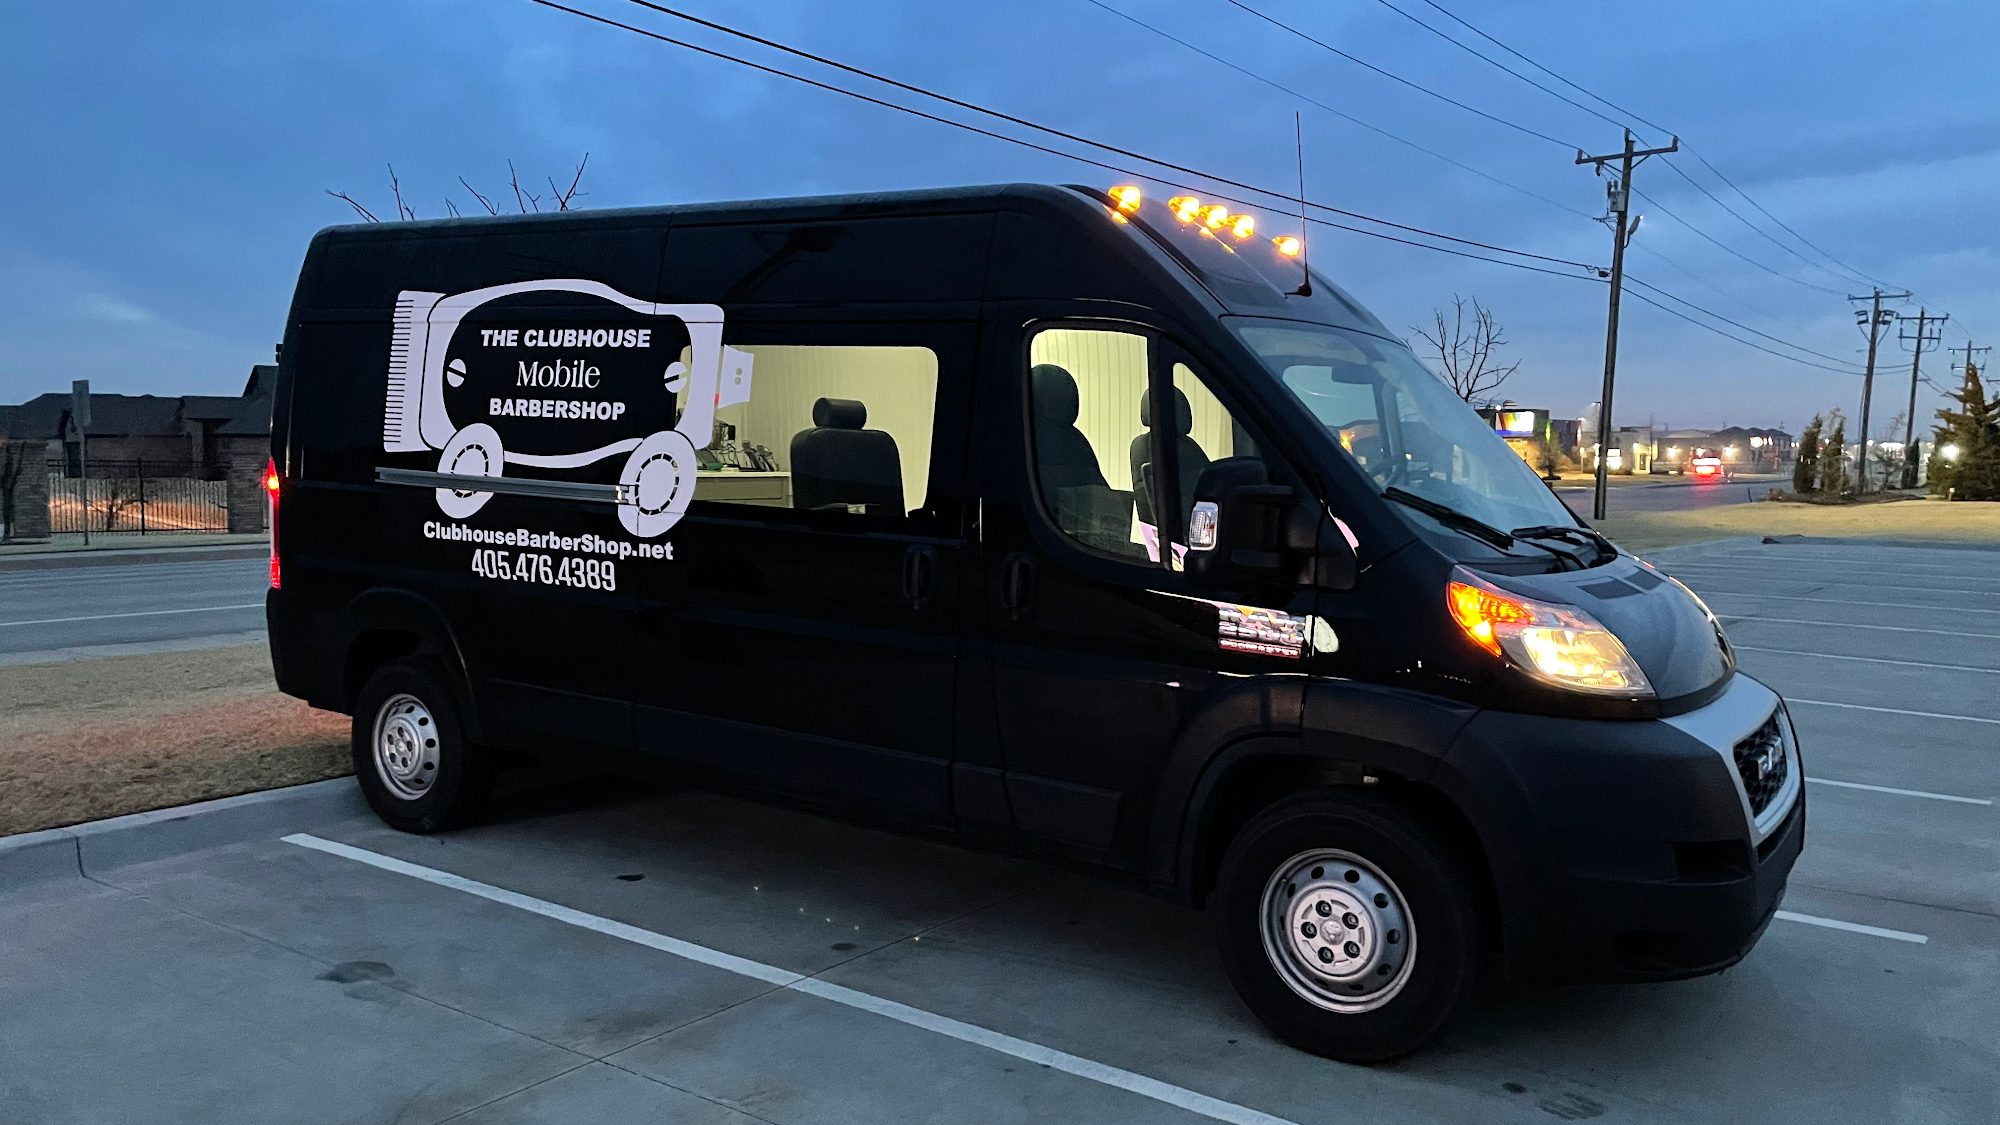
[{"x": 272, "y": 483}]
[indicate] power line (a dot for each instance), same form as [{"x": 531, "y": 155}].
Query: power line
[
  {"x": 1738, "y": 339},
  {"x": 1395, "y": 77},
  {"x": 1702, "y": 281},
  {"x": 1761, "y": 232},
  {"x": 1795, "y": 234},
  {"x": 1342, "y": 114},
  {"x": 1726, "y": 248},
  {"x": 1123, "y": 171},
  {"x": 1485, "y": 58},
  {"x": 1503, "y": 121},
  {"x": 1628, "y": 113},
  {"x": 1736, "y": 324},
  {"x": 949, "y": 100}
]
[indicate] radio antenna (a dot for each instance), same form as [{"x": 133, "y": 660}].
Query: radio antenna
[{"x": 1305, "y": 288}]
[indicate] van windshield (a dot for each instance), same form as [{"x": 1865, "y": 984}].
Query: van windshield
[{"x": 1400, "y": 423}]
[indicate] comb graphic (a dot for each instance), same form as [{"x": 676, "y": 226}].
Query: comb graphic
[{"x": 401, "y": 409}]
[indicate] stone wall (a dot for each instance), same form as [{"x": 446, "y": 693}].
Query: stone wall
[
  {"x": 31, "y": 501},
  {"x": 247, "y": 503}
]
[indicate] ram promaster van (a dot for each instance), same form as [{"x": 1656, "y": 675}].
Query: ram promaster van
[{"x": 1058, "y": 520}]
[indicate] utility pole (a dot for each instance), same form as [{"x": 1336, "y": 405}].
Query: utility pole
[
  {"x": 1909, "y": 456},
  {"x": 1875, "y": 318},
  {"x": 1916, "y": 368},
  {"x": 1618, "y": 194}
]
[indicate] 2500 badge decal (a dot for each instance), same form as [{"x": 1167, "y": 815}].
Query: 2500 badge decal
[{"x": 470, "y": 354}]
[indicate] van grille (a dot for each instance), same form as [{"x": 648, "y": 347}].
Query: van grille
[{"x": 1762, "y": 763}]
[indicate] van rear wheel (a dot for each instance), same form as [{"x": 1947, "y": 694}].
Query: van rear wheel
[
  {"x": 410, "y": 753},
  {"x": 1347, "y": 925}
]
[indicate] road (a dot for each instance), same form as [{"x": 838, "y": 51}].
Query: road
[
  {"x": 77, "y": 612},
  {"x": 1665, "y": 494},
  {"x": 626, "y": 953}
]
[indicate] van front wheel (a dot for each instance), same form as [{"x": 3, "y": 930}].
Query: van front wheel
[
  {"x": 410, "y": 753},
  {"x": 1347, "y": 925}
]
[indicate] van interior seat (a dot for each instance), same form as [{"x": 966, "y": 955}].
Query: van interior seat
[
  {"x": 1189, "y": 453},
  {"x": 838, "y": 463},
  {"x": 1063, "y": 456},
  {"x": 1072, "y": 479}
]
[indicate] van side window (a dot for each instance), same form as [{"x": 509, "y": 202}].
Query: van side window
[
  {"x": 828, "y": 428},
  {"x": 1088, "y": 414},
  {"x": 1208, "y": 433}
]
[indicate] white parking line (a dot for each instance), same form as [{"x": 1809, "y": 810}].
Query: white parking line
[
  {"x": 1868, "y": 659},
  {"x": 1860, "y": 562},
  {"x": 1898, "y": 792},
  {"x": 1139, "y": 1084},
  {"x": 1852, "y": 625},
  {"x": 1894, "y": 711},
  {"x": 1853, "y": 927},
  {"x": 146, "y": 613},
  {"x": 1909, "y": 570},
  {"x": 1845, "y": 601}
]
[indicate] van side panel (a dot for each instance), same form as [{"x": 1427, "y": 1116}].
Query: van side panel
[{"x": 546, "y": 658}]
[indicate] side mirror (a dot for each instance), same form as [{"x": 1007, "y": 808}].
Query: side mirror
[{"x": 1245, "y": 532}]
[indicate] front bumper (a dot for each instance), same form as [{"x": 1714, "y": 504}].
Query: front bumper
[{"x": 1626, "y": 851}]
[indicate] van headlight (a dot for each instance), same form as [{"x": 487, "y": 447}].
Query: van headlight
[{"x": 1557, "y": 644}]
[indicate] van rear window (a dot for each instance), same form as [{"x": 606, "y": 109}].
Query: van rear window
[{"x": 829, "y": 428}]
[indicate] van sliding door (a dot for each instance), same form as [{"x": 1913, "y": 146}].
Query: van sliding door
[{"x": 806, "y": 634}]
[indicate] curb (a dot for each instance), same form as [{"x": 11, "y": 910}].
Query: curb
[
  {"x": 99, "y": 846},
  {"x": 131, "y": 556}
]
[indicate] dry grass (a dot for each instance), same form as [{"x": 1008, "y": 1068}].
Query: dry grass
[
  {"x": 1918, "y": 520},
  {"x": 98, "y": 738}
]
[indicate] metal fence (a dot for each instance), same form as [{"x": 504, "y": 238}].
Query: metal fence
[{"x": 138, "y": 498}]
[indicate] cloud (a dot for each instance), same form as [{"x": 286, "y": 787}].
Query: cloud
[{"x": 100, "y": 307}]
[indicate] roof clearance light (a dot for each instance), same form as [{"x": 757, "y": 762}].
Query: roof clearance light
[
  {"x": 1185, "y": 207},
  {"x": 1242, "y": 226},
  {"x": 1127, "y": 197},
  {"x": 1288, "y": 245},
  {"x": 1215, "y": 216},
  {"x": 1557, "y": 644}
]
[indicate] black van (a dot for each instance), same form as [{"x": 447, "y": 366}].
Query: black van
[{"x": 1052, "y": 518}]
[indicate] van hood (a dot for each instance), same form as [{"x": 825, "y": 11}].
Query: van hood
[{"x": 1676, "y": 640}]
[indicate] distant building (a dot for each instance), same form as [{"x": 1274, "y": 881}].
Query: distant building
[
  {"x": 1752, "y": 450},
  {"x": 1756, "y": 449},
  {"x": 191, "y": 434},
  {"x": 1631, "y": 450},
  {"x": 209, "y": 437},
  {"x": 1529, "y": 432}
]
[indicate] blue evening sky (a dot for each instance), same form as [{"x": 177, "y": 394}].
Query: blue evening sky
[{"x": 167, "y": 162}]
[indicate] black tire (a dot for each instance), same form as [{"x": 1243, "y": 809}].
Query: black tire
[
  {"x": 446, "y": 779},
  {"x": 1392, "y": 857}
]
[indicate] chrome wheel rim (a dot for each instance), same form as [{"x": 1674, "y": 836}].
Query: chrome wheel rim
[
  {"x": 1338, "y": 931},
  {"x": 406, "y": 747}
]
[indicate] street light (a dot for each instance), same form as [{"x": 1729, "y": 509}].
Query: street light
[{"x": 1950, "y": 452}]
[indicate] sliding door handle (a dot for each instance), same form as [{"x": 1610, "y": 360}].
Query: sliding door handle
[
  {"x": 919, "y": 575},
  {"x": 1017, "y": 585}
]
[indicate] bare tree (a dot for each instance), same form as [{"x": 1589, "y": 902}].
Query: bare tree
[
  {"x": 1467, "y": 354},
  {"x": 526, "y": 201}
]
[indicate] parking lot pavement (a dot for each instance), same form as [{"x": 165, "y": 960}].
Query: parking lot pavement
[{"x": 769, "y": 965}]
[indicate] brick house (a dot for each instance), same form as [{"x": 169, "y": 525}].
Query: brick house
[{"x": 212, "y": 437}]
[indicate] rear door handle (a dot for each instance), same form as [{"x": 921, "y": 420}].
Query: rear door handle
[
  {"x": 919, "y": 575},
  {"x": 1017, "y": 585}
]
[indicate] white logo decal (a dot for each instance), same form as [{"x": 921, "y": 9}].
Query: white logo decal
[{"x": 659, "y": 475}]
